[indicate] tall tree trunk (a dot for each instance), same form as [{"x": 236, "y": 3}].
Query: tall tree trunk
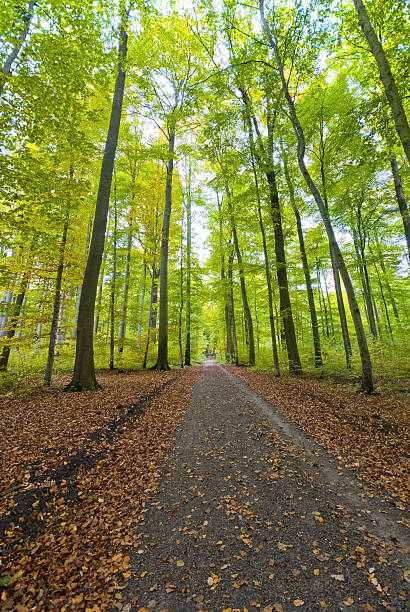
[
  {"x": 56, "y": 308},
  {"x": 162, "y": 361},
  {"x": 99, "y": 298},
  {"x": 13, "y": 318},
  {"x": 365, "y": 284},
  {"x": 142, "y": 300},
  {"x": 389, "y": 289},
  {"x": 151, "y": 305},
  {"x": 232, "y": 305},
  {"x": 181, "y": 297},
  {"x": 246, "y": 309},
  {"x": 305, "y": 265},
  {"x": 386, "y": 76},
  {"x": 322, "y": 301},
  {"x": 6, "y": 68},
  {"x": 113, "y": 279},
  {"x": 401, "y": 200},
  {"x": 188, "y": 275},
  {"x": 230, "y": 353},
  {"x": 125, "y": 288},
  {"x": 265, "y": 161},
  {"x": 389, "y": 328},
  {"x": 329, "y": 305},
  {"x": 84, "y": 371},
  {"x": 367, "y": 373},
  {"x": 276, "y": 366}
]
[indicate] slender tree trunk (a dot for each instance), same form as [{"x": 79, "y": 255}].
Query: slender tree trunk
[
  {"x": 382, "y": 295},
  {"x": 151, "y": 305},
  {"x": 322, "y": 301},
  {"x": 401, "y": 200},
  {"x": 329, "y": 305},
  {"x": 389, "y": 289},
  {"x": 162, "y": 361},
  {"x": 84, "y": 371},
  {"x": 276, "y": 366},
  {"x": 265, "y": 161},
  {"x": 247, "y": 311},
  {"x": 386, "y": 76},
  {"x": 113, "y": 279},
  {"x": 367, "y": 373},
  {"x": 125, "y": 288},
  {"x": 142, "y": 300},
  {"x": 13, "y": 319},
  {"x": 99, "y": 298},
  {"x": 229, "y": 355},
  {"x": 305, "y": 265},
  {"x": 232, "y": 306},
  {"x": 56, "y": 308},
  {"x": 188, "y": 275},
  {"x": 6, "y": 68},
  {"x": 181, "y": 297}
]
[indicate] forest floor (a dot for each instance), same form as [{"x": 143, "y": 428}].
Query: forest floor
[{"x": 297, "y": 503}]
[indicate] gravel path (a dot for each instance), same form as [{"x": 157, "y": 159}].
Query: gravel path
[{"x": 251, "y": 514}]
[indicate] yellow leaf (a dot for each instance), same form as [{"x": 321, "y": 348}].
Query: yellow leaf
[
  {"x": 348, "y": 602},
  {"x": 316, "y": 572},
  {"x": 298, "y": 603},
  {"x": 180, "y": 563}
]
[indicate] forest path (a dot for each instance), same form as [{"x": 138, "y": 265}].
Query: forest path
[{"x": 251, "y": 514}]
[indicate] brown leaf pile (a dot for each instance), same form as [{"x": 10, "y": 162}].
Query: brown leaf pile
[
  {"x": 72, "y": 551},
  {"x": 370, "y": 434}
]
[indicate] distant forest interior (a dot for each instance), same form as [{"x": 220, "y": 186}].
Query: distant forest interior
[{"x": 195, "y": 178}]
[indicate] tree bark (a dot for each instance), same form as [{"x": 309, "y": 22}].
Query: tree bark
[
  {"x": 162, "y": 360},
  {"x": 125, "y": 288},
  {"x": 367, "y": 373},
  {"x": 232, "y": 306},
  {"x": 386, "y": 76},
  {"x": 13, "y": 319},
  {"x": 113, "y": 280},
  {"x": 276, "y": 366},
  {"x": 401, "y": 200},
  {"x": 56, "y": 308},
  {"x": 247, "y": 311},
  {"x": 230, "y": 353},
  {"x": 305, "y": 265},
  {"x": 6, "y": 68},
  {"x": 188, "y": 275},
  {"x": 265, "y": 161},
  {"x": 84, "y": 378}
]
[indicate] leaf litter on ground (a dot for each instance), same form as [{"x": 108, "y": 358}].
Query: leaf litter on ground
[{"x": 70, "y": 549}]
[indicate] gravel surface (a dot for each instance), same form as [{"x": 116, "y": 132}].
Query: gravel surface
[{"x": 251, "y": 514}]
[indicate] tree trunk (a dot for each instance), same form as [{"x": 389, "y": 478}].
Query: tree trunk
[
  {"x": 151, "y": 304},
  {"x": 276, "y": 366},
  {"x": 386, "y": 76},
  {"x": 181, "y": 297},
  {"x": 113, "y": 279},
  {"x": 6, "y": 68},
  {"x": 401, "y": 200},
  {"x": 383, "y": 267},
  {"x": 265, "y": 161},
  {"x": 188, "y": 275},
  {"x": 84, "y": 371},
  {"x": 232, "y": 306},
  {"x": 162, "y": 361},
  {"x": 305, "y": 265},
  {"x": 13, "y": 319},
  {"x": 247, "y": 311},
  {"x": 230, "y": 353},
  {"x": 367, "y": 373},
  {"x": 56, "y": 308},
  {"x": 99, "y": 298},
  {"x": 142, "y": 300},
  {"x": 125, "y": 288}
]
